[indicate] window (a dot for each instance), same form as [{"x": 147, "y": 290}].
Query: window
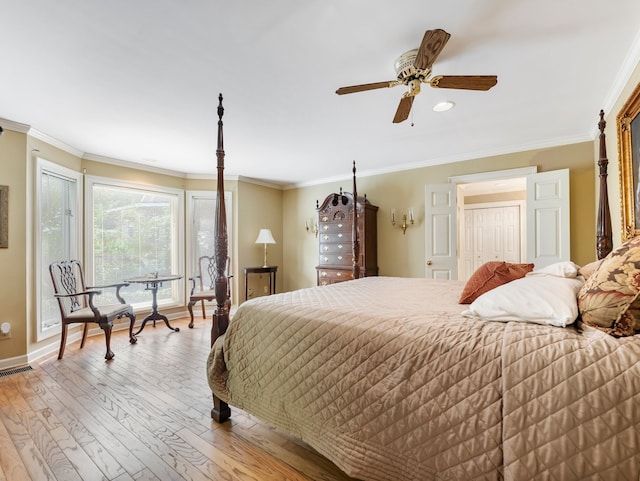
[
  {"x": 59, "y": 224},
  {"x": 201, "y": 215},
  {"x": 134, "y": 230}
]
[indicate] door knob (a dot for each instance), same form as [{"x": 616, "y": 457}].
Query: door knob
[{"x": 429, "y": 263}]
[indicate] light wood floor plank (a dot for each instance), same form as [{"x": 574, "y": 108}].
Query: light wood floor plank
[
  {"x": 143, "y": 416},
  {"x": 34, "y": 462},
  {"x": 11, "y": 465},
  {"x": 94, "y": 432}
]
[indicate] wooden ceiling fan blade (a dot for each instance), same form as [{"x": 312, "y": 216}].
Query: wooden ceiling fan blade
[
  {"x": 372, "y": 86},
  {"x": 432, "y": 44},
  {"x": 404, "y": 107},
  {"x": 464, "y": 82}
]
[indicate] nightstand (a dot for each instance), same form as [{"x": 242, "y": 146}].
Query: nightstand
[{"x": 271, "y": 270}]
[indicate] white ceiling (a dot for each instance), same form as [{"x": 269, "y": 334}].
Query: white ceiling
[{"x": 138, "y": 80}]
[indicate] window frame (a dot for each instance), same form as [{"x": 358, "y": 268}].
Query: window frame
[
  {"x": 178, "y": 286},
  {"x": 76, "y": 245},
  {"x": 191, "y": 196}
]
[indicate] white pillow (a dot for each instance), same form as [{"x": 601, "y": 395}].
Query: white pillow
[
  {"x": 547, "y": 296},
  {"x": 562, "y": 269}
]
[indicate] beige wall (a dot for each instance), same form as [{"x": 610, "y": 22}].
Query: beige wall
[
  {"x": 403, "y": 255},
  {"x": 499, "y": 197},
  {"x": 260, "y": 207},
  {"x": 13, "y": 283}
]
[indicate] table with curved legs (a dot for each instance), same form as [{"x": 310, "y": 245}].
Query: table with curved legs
[{"x": 153, "y": 283}]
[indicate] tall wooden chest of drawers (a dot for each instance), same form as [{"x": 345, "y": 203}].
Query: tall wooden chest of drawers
[{"x": 335, "y": 232}]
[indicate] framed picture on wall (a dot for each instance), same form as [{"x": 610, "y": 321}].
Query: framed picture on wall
[
  {"x": 628, "y": 125},
  {"x": 4, "y": 216}
]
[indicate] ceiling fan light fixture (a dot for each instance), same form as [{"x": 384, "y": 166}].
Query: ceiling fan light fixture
[
  {"x": 443, "y": 106},
  {"x": 404, "y": 64}
]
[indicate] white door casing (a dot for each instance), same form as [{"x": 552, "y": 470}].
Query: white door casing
[{"x": 547, "y": 221}]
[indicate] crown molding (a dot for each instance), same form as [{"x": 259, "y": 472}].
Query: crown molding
[
  {"x": 36, "y": 134},
  {"x": 14, "y": 126},
  {"x": 263, "y": 183},
  {"x": 132, "y": 165}
]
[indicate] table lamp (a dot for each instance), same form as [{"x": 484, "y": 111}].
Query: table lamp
[{"x": 265, "y": 237}]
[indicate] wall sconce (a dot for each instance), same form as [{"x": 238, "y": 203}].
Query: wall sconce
[
  {"x": 311, "y": 225},
  {"x": 407, "y": 220}
]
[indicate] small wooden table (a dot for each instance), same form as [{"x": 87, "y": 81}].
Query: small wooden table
[
  {"x": 271, "y": 270},
  {"x": 152, "y": 284}
]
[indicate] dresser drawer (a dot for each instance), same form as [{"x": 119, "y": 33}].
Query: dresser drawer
[
  {"x": 331, "y": 276},
  {"x": 334, "y": 227},
  {"x": 338, "y": 248},
  {"x": 343, "y": 237},
  {"x": 337, "y": 259}
]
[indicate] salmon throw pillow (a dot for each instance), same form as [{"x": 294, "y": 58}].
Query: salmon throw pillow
[{"x": 491, "y": 275}]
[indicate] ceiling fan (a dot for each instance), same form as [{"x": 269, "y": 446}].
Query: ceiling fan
[{"x": 414, "y": 67}]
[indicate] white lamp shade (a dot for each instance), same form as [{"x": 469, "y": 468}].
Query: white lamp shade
[{"x": 265, "y": 237}]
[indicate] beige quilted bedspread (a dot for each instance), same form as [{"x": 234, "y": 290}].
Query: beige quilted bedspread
[{"x": 385, "y": 378}]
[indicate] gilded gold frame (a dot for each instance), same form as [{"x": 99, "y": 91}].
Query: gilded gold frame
[{"x": 628, "y": 121}]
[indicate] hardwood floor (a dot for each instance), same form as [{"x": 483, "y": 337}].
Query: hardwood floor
[{"x": 145, "y": 415}]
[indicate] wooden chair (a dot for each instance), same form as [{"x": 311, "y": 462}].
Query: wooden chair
[
  {"x": 76, "y": 304},
  {"x": 204, "y": 289}
]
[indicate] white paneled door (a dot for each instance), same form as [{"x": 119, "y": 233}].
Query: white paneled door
[
  {"x": 548, "y": 218},
  {"x": 441, "y": 231}
]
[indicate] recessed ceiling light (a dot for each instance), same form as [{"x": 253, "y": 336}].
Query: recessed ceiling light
[{"x": 443, "y": 106}]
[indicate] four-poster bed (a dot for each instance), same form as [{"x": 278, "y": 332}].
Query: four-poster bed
[{"x": 390, "y": 380}]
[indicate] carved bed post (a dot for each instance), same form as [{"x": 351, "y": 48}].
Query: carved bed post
[
  {"x": 604, "y": 242},
  {"x": 220, "y": 410},
  {"x": 355, "y": 235}
]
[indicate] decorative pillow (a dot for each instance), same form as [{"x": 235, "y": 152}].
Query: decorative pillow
[
  {"x": 588, "y": 269},
  {"x": 547, "y": 296},
  {"x": 609, "y": 299},
  {"x": 491, "y": 275},
  {"x": 519, "y": 270}
]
